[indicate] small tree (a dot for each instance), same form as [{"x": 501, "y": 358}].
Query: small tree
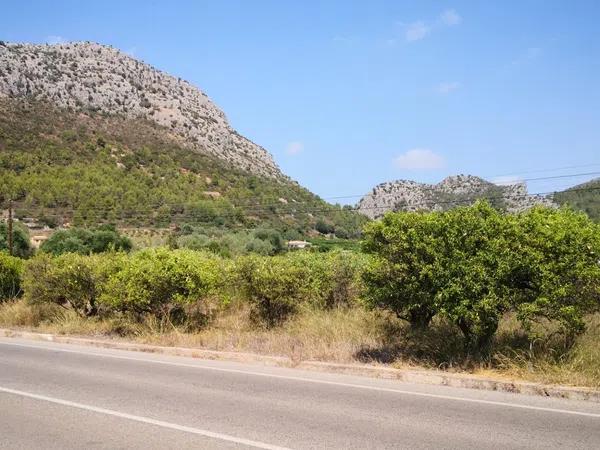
[
  {"x": 403, "y": 275},
  {"x": 456, "y": 263},
  {"x": 560, "y": 262},
  {"x": 323, "y": 227},
  {"x": 21, "y": 246},
  {"x": 476, "y": 271},
  {"x": 83, "y": 241}
]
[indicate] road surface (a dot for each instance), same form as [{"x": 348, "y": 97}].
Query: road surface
[{"x": 55, "y": 396}]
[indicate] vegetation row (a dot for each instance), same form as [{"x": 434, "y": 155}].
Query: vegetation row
[{"x": 469, "y": 266}]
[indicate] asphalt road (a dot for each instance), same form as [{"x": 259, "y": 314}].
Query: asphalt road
[{"x": 56, "y": 396}]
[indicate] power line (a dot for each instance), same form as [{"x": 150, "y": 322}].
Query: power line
[
  {"x": 581, "y": 166},
  {"x": 258, "y": 207},
  {"x": 435, "y": 188}
]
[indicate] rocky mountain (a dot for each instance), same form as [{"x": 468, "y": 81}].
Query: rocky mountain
[
  {"x": 96, "y": 78},
  {"x": 89, "y": 135},
  {"x": 408, "y": 195}
]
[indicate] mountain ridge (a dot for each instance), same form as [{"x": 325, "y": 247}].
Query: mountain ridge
[
  {"x": 408, "y": 195},
  {"x": 86, "y": 76}
]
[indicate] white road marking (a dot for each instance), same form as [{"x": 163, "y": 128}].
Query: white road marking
[
  {"x": 312, "y": 380},
  {"x": 147, "y": 420}
]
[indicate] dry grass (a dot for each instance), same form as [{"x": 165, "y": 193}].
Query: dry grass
[{"x": 344, "y": 335}]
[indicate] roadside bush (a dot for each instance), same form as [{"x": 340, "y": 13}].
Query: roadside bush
[
  {"x": 561, "y": 265},
  {"x": 343, "y": 285},
  {"x": 403, "y": 275},
  {"x": 72, "y": 281},
  {"x": 277, "y": 287},
  {"x": 478, "y": 271},
  {"x": 11, "y": 269},
  {"x": 473, "y": 264},
  {"x": 162, "y": 282}
]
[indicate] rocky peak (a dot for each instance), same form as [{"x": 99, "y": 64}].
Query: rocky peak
[{"x": 406, "y": 195}]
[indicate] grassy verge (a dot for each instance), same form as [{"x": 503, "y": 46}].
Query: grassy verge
[{"x": 344, "y": 335}]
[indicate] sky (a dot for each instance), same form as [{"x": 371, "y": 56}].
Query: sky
[{"x": 349, "y": 94}]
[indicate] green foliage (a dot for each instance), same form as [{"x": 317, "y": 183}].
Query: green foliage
[
  {"x": 328, "y": 244},
  {"x": 279, "y": 286},
  {"x": 262, "y": 241},
  {"x": 56, "y": 164},
  {"x": 72, "y": 281},
  {"x": 276, "y": 286},
  {"x": 21, "y": 246},
  {"x": 584, "y": 197},
  {"x": 562, "y": 267},
  {"x": 477, "y": 266},
  {"x": 323, "y": 227},
  {"x": 84, "y": 241},
  {"x": 473, "y": 264},
  {"x": 156, "y": 281},
  {"x": 11, "y": 269},
  {"x": 403, "y": 276}
]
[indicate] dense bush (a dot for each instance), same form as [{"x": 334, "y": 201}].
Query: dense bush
[
  {"x": 343, "y": 286},
  {"x": 21, "y": 246},
  {"x": 11, "y": 269},
  {"x": 473, "y": 264},
  {"x": 158, "y": 281},
  {"x": 279, "y": 286},
  {"x": 86, "y": 241},
  {"x": 404, "y": 275},
  {"x": 562, "y": 267},
  {"x": 478, "y": 271},
  {"x": 262, "y": 241},
  {"x": 71, "y": 280}
]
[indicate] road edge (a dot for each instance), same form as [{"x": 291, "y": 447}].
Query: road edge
[{"x": 431, "y": 377}]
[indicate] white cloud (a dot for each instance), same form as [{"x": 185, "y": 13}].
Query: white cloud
[
  {"x": 507, "y": 180},
  {"x": 448, "y": 86},
  {"x": 450, "y": 18},
  {"x": 420, "y": 158},
  {"x": 416, "y": 31},
  {"x": 53, "y": 40},
  {"x": 420, "y": 29},
  {"x": 293, "y": 148}
]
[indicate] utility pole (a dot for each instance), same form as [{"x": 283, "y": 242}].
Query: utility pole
[{"x": 10, "y": 227}]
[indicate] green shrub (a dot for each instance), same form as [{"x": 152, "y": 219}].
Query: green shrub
[
  {"x": 157, "y": 281},
  {"x": 72, "y": 281},
  {"x": 473, "y": 264},
  {"x": 561, "y": 267},
  {"x": 278, "y": 286},
  {"x": 21, "y": 246},
  {"x": 11, "y": 269},
  {"x": 83, "y": 241},
  {"x": 478, "y": 271},
  {"x": 343, "y": 278},
  {"x": 403, "y": 275}
]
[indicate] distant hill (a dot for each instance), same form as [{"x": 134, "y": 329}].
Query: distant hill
[
  {"x": 585, "y": 197},
  {"x": 405, "y": 195},
  {"x": 89, "y": 135}
]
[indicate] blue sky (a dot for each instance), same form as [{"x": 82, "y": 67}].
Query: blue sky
[{"x": 347, "y": 94}]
